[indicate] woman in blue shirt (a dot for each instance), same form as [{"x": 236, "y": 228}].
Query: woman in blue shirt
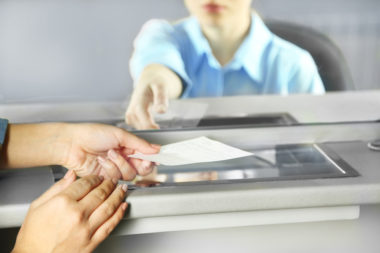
[{"x": 223, "y": 49}]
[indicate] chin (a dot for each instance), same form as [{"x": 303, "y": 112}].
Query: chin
[{"x": 212, "y": 21}]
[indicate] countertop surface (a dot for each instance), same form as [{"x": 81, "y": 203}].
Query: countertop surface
[{"x": 266, "y": 195}]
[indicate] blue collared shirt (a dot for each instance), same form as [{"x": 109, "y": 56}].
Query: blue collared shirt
[{"x": 263, "y": 64}]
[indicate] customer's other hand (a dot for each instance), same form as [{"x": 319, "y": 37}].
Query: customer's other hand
[{"x": 72, "y": 216}]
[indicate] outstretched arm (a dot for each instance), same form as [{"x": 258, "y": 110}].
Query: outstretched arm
[
  {"x": 86, "y": 148},
  {"x": 158, "y": 70},
  {"x": 156, "y": 85}
]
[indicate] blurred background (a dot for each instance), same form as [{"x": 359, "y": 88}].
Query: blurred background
[{"x": 78, "y": 50}]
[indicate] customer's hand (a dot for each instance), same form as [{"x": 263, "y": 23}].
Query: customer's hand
[
  {"x": 155, "y": 86},
  {"x": 103, "y": 150},
  {"x": 87, "y": 148},
  {"x": 72, "y": 216}
]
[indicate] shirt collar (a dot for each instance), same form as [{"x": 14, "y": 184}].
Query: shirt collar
[
  {"x": 251, "y": 53},
  {"x": 199, "y": 41}
]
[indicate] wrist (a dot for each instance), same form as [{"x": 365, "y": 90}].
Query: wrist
[
  {"x": 30, "y": 145},
  {"x": 158, "y": 73},
  {"x": 60, "y": 141}
]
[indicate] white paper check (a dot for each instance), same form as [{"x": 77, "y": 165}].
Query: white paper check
[{"x": 198, "y": 150}]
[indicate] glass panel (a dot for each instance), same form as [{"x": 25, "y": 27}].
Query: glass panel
[
  {"x": 284, "y": 162},
  {"x": 257, "y": 120}
]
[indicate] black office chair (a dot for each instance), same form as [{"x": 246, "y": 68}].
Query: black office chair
[{"x": 332, "y": 66}]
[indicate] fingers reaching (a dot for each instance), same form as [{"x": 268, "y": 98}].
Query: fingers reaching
[
  {"x": 117, "y": 165},
  {"x": 97, "y": 196},
  {"x": 140, "y": 118},
  {"x": 127, "y": 171},
  {"x": 145, "y": 119},
  {"x": 142, "y": 167},
  {"x": 103, "y": 231},
  {"x": 139, "y": 113},
  {"x": 109, "y": 169},
  {"x": 108, "y": 208},
  {"x": 131, "y": 141},
  {"x": 82, "y": 187}
]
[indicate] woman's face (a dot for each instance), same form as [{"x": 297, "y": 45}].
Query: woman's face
[{"x": 219, "y": 12}]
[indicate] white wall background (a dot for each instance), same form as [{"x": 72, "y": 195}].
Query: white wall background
[
  {"x": 73, "y": 50},
  {"x": 70, "y": 50}
]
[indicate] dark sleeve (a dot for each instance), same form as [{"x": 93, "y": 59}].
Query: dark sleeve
[{"x": 3, "y": 130}]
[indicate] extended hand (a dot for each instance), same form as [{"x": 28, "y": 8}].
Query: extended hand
[
  {"x": 86, "y": 148},
  {"x": 156, "y": 85},
  {"x": 103, "y": 150}
]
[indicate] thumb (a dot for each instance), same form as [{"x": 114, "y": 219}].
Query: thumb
[
  {"x": 56, "y": 188},
  {"x": 160, "y": 97},
  {"x": 131, "y": 141}
]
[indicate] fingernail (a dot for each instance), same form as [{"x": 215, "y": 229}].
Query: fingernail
[
  {"x": 124, "y": 187},
  {"x": 115, "y": 180},
  {"x": 124, "y": 206},
  {"x": 68, "y": 174},
  {"x": 112, "y": 154},
  {"x": 156, "y": 146}
]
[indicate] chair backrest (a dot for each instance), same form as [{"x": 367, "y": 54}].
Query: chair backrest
[{"x": 331, "y": 63}]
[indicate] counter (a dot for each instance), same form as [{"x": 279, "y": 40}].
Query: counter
[{"x": 308, "y": 206}]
